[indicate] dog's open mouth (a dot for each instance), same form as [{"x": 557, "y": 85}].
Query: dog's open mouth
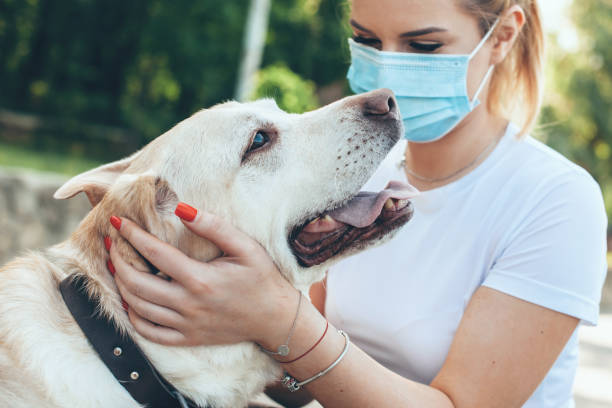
[{"x": 364, "y": 217}]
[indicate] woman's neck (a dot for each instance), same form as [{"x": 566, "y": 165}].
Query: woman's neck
[{"x": 429, "y": 165}]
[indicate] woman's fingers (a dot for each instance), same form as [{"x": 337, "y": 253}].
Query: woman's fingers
[
  {"x": 220, "y": 232},
  {"x": 150, "y": 311},
  {"x": 157, "y": 334},
  {"x": 144, "y": 284},
  {"x": 164, "y": 256}
]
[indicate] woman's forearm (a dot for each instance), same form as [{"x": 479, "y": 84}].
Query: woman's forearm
[{"x": 358, "y": 380}]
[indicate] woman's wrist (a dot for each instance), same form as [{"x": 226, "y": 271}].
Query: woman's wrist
[
  {"x": 309, "y": 324},
  {"x": 314, "y": 346},
  {"x": 284, "y": 350},
  {"x": 322, "y": 356},
  {"x": 275, "y": 322}
]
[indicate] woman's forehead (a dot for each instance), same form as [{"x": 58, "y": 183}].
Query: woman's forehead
[{"x": 410, "y": 15}]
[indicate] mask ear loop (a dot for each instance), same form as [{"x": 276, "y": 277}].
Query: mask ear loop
[
  {"x": 482, "y": 84},
  {"x": 490, "y": 71},
  {"x": 484, "y": 39}
]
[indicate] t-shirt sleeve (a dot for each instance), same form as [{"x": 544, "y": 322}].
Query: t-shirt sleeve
[{"x": 555, "y": 257}]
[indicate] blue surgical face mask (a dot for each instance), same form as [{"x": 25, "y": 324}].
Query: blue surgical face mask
[{"x": 431, "y": 90}]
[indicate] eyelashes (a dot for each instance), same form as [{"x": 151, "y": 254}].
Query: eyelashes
[
  {"x": 372, "y": 42},
  {"x": 415, "y": 45},
  {"x": 427, "y": 47}
]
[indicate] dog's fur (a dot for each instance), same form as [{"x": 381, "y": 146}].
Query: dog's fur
[{"x": 313, "y": 162}]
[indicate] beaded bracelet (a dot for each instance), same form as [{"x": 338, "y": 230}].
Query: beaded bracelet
[
  {"x": 293, "y": 385},
  {"x": 310, "y": 349}
]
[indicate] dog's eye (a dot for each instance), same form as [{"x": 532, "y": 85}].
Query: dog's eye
[{"x": 260, "y": 140}]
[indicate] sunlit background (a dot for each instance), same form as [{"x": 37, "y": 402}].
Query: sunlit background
[{"x": 83, "y": 82}]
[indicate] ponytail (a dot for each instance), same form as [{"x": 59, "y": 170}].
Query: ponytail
[{"x": 516, "y": 85}]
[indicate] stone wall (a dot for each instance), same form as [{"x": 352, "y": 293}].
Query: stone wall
[{"x": 29, "y": 216}]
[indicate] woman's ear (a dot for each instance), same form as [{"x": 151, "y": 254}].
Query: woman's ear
[
  {"x": 507, "y": 31},
  {"x": 95, "y": 183}
]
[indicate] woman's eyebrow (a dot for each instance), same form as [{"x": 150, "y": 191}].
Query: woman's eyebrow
[
  {"x": 423, "y": 31},
  {"x": 415, "y": 33},
  {"x": 360, "y": 27}
]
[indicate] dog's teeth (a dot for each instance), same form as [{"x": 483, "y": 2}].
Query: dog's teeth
[
  {"x": 389, "y": 204},
  {"x": 402, "y": 204},
  {"x": 327, "y": 218},
  {"x": 314, "y": 221}
]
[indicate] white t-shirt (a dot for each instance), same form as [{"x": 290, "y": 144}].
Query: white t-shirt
[{"x": 526, "y": 222}]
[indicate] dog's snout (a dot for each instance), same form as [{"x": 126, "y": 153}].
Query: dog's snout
[{"x": 380, "y": 104}]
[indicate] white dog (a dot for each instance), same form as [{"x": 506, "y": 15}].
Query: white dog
[{"x": 290, "y": 181}]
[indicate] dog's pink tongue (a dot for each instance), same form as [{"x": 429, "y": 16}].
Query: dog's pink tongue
[{"x": 363, "y": 209}]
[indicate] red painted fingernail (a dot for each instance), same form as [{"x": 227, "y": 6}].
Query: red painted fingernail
[
  {"x": 108, "y": 243},
  {"x": 186, "y": 212},
  {"x": 125, "y": 305},
  {"x": 116, "y": 221},
  {"x": 111, "y": 267}
]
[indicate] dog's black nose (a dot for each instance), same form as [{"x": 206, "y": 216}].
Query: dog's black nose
[{"x": 380, "y": 104}]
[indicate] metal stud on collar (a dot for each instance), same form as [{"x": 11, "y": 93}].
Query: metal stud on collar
[
  {"x": 117, "y": 351},
  {"x": 134, "y": 376}
]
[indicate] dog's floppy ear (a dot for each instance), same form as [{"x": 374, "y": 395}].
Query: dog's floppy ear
[{"x": 95, "y": 183}]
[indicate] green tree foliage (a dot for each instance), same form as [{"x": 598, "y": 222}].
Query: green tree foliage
[
  {"x": 577, "y": 119},
  {"x": 309, "y": 36},
  {"x": 143, "y": 65},
  {"x": 291, "y": 92}
]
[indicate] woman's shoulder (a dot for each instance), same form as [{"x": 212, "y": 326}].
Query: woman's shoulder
[
  {"x": 532, "y": 187},
  {"x": 539, "y": 158},
  {"x": 552, "y": 251},
  {"x": 541, "y": 170}
]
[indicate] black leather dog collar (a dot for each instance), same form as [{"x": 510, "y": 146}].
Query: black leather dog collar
[{"x": 121, "y": 355}]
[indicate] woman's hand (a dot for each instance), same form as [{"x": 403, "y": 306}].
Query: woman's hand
[{"x": 240, "y": 296}]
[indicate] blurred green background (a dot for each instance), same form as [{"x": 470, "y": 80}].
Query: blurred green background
[{"x": 89, "y": 81}]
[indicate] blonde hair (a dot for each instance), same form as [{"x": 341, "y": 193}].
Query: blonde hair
[{"x": 516, "y": 85}]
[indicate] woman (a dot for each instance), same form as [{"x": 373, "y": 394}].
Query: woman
[{"x": 481, "y": 293}]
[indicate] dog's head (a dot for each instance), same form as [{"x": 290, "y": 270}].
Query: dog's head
[{"x": 290, "y": 181}]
